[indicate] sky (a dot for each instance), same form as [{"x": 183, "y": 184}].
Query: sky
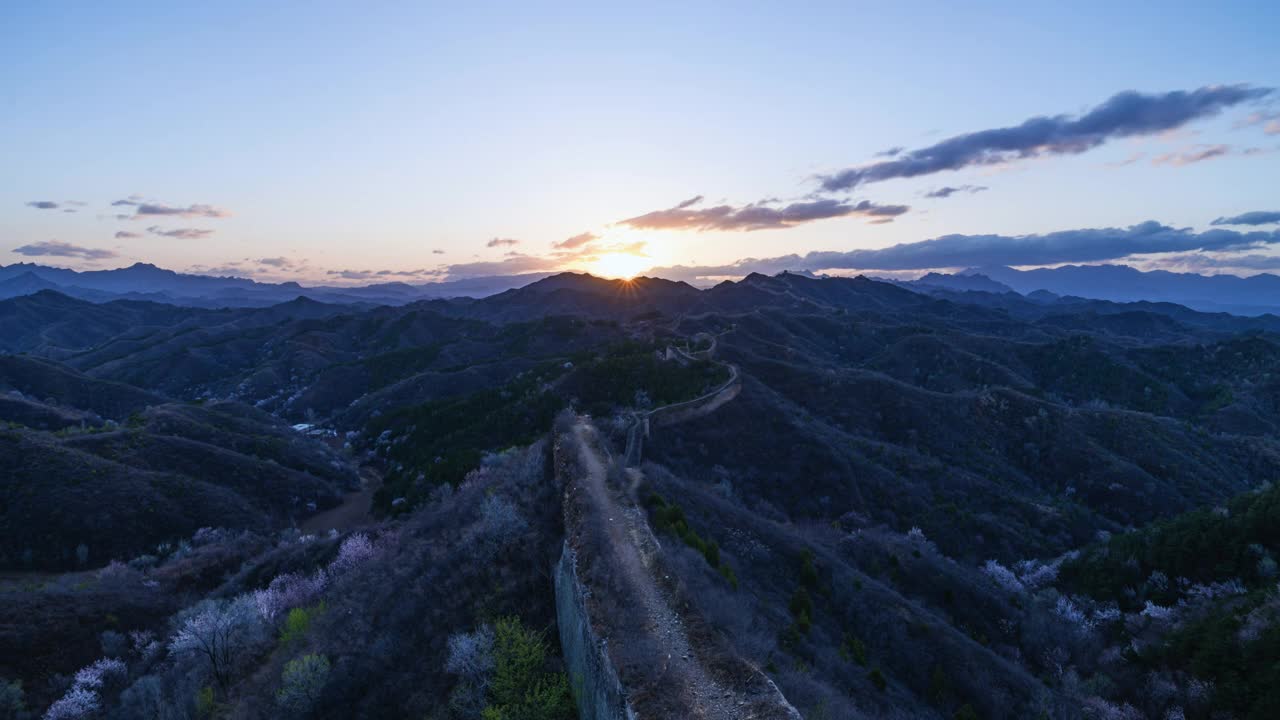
[{"x": 332, "y": 143}]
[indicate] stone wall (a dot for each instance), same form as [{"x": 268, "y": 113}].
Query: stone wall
[{"x": 595, "y": 683}]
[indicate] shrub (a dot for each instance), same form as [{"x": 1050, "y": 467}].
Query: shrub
[
  {"x": 297, "y": 622},
  {"x": 877, "y": 679},
  {"x": 113, "y": 644},
  {"x": 118, "y": 576},
  {"x": 801, "y": 609},
  {"x": 500, "y": 522},
  {"x": 471, "y": 659},
  {"x": 354, "y": 552},
  {"x": 808, "y": 571},
  {"x": 670, "y": 517},
  {"x": 853, "y": 649},
  {"x": 12, "y": 705},
  {"x": 302, "y": 681},
  {"x": 206, "y": 704}
]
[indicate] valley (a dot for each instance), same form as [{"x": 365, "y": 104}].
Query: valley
[{"x": 779, "y": 497}]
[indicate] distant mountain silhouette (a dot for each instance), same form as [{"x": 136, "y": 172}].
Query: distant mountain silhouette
[
  {"x": 1221, "y": 293},
  {"x": 580, "y": 293},
  {"x": 144, "y": 281}
]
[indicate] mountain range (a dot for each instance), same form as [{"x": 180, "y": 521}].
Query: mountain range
[
  {"x": 935, "y": 499},
  {"x": 1256, "y": 295},
  {"x": 143, "y": 281}
]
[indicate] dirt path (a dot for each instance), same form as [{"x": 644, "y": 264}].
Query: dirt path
[
  {"x": 633, "y": 548},
  {"x": 355, "y": 510}
]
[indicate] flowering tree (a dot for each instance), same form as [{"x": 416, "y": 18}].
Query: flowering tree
[
  {"x": 79, "y": 702},
  {"x": 471, "y": 659},
  {"x": 1003, "y": 576},
  {"x": 83, "y": 699},
  {"x": 221, "y": 631},
  {"x": 289, "y": 591},
  {"x": 354, "y": 551},
  {"x": 500, "y": 521}
]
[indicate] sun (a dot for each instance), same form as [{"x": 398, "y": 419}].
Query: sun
[{"x": 619, "y": 265}]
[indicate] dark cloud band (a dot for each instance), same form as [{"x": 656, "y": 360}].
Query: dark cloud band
[
  {"x": 956, "y": 251},
  {"x": 56, "y": 248},
  {"x": 1257, "y": 217},
  {"x": 1126, "y": 114}
]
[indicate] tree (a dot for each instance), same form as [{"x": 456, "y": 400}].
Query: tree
[
  {"x": 471, "y": 659},
  {"x": 223, "y": 631},
  {"x": 354, "y": 552},
  {"x": 302, "y": 682},
  {"x": 521, "y": 689},
  {"x": 500, "y": 522}
]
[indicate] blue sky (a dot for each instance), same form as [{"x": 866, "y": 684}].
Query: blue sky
[{"x": 407, "y": 136}]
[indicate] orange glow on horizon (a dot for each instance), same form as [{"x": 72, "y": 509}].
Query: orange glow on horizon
[{"x": 619, "y": 265}]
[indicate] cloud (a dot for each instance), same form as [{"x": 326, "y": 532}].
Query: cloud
[
  {"x": 125, "y": 234},
  {"x": 577, "y": 241},
  {"x": 281, "y": 263},
  {"x": 948, "y": 191},
  {"x": 1270, "y": 121},
  {"x": 57, "y": 248},
  {"x": 891, "y": 152},
  {"x": 43, "y": 204},
  {"x": 437, "y": 252},
  {"x": 1234, "y": 263},
  {"x": 379, "y": 274},
  {"x": 1193, "y": 155},
  {"x": 502, "y": 242},
  {"x": 1256, "y": 217},
  {"x": 353, "y": 274},
  {"x": 1125, "y": 114},
  {"x": 957, "y": 251},
  {"x": 761, "y": 215},
  {"x": 156, "y": 209},
  {"x": 180, "y": 233},
  {"x": 513, "y": 265},
  {"x": 189, "y": 211}
]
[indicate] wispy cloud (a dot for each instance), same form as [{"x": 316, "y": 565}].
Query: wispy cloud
[
  {"x": 1126, "y": 114},
  {"x": 763, "y": 215},
  {"x": 576, "y": 241},
  {"x": 43, "y": 204},
  {"x": 125, "y": 235},
  {"x": 382, "y": 274},
  {"x": 1256, "y": 217},
  {"x": 947, "y": 191},
  {"x": 512, "y": 265},
  {"x": 57, "y": 248},
  {"x": 502, "y": 242},
  {"x": 1269, "y": 120},
  {"x": 180, "y": 233},
  {"x": 1196, "y": 154}
]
